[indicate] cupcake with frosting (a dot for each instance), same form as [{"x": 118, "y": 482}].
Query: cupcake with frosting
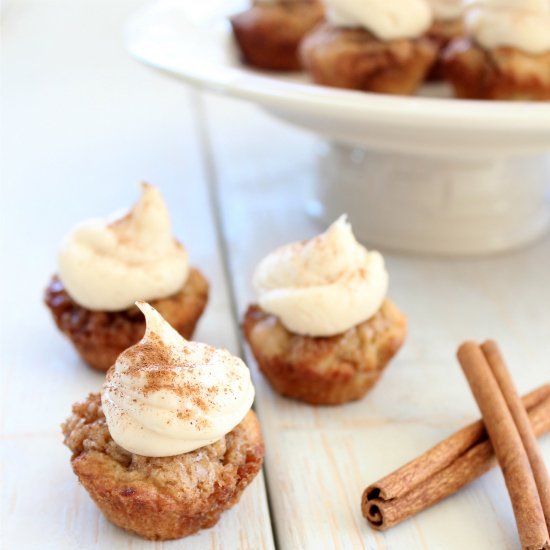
[
  {"x": 323, "y": 328},
  {"x": 171, "y": 441},
  {"x": 269, "y": 33},
  {"x": 105, "y": 265},
  {"x": 505, "y": 53},
  {"x": 372, "y": 45}
]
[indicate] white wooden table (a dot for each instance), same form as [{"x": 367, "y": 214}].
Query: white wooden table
[{"x": 81, "y": 125}]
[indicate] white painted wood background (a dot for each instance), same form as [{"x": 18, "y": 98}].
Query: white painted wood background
[{"x": 81, "y": 125}]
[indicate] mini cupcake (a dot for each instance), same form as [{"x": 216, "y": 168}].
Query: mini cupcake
[
  {"x": 171, "y": 441},
  {"x": 323, "y": 330},
  {"x": 269, "y": 33},
  {"x": 374, "y": 46},
  {"x": 106, "y": 265},
  {"x": 448, "y": 24},
  {"x": 505, "y": 54}
]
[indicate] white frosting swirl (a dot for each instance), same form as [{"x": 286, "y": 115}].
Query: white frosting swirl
[
  {"x": 521, "y": 24},
  {"x": 323, "y": 286},
  {"x": 447, "y": 10},
  {"x": 167, "y": 396},
  {"x": 387, "y": 19},
  {"x": 106, "y": 265}
]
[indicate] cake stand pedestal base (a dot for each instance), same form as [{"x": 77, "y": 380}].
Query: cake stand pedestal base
[{"x": 438, "y": 206}]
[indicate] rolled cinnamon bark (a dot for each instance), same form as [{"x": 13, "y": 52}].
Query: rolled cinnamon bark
[
  {"x": 498, "y": 367},
  {"x": 508, "y": 447},
  {"x": 444, "y": 469}
]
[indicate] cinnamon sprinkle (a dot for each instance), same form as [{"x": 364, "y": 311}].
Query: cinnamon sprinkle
[{"x": 157, "y": 363}]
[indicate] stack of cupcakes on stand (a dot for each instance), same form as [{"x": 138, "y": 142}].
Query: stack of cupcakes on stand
[{"x": 485, "y": 49}]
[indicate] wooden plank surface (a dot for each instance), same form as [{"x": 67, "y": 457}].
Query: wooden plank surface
[
  {"x": 82, "y": 125},
  {"x": 320, "y": 459}
]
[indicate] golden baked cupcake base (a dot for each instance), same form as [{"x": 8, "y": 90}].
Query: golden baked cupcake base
[
  {"x": 502, "y": 73},
  {"x": 100, "y": 336},
  {"x": 269, "y": 35},
  {"x": 161, "y": 498},
  {"x": 357, "y": 60},
  {"x": 325, "y": 371}
]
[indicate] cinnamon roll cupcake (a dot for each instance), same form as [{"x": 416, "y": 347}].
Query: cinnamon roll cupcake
[
  {"x": 505, "y": 53},
  {"x": 375, "y": 46},
  {"x": 171, "y": 442},
  {"x": 323, "y": 329},
  {"x": 106, "y": 265},
  {"x": 269, "y": 32}
]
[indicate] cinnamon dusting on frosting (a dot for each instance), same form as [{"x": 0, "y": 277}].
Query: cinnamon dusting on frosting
[
  {"x": 106, "y": 264},
  {"x": 324, "y": 286},
  {"x": 166, "y": 396}
]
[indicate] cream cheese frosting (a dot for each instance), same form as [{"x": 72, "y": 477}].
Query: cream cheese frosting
[
  {"x": 108, "y": 264},
  {"x": 167, "y": 396},
  {"x": 447, "y": 10},
  {"x": 521, "y": 24},
  {"x": 323, "y": 286},
  {"x": 388, "y": 20}
]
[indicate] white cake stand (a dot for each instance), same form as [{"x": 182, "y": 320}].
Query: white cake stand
[{"x": 425, "y": 174}]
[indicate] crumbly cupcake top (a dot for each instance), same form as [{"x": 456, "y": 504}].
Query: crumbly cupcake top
[
  {"x": 387, "y": 20},
  {"x": 521, "y": 24},
  {"x": 447, "y": 10},
  {"x": 167, "y": 396},
  {"x": 323, "y": 286},
  {"x": 108, "y": 264}
]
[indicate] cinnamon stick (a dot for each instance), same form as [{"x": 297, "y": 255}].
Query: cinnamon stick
[
  {"x": 508, "y": 446},
  {"x": 498, "y": 367},
  {"x": 444, "y": 469}
]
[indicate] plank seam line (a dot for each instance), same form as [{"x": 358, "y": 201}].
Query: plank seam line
[{"x": 212, "y": 180}]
